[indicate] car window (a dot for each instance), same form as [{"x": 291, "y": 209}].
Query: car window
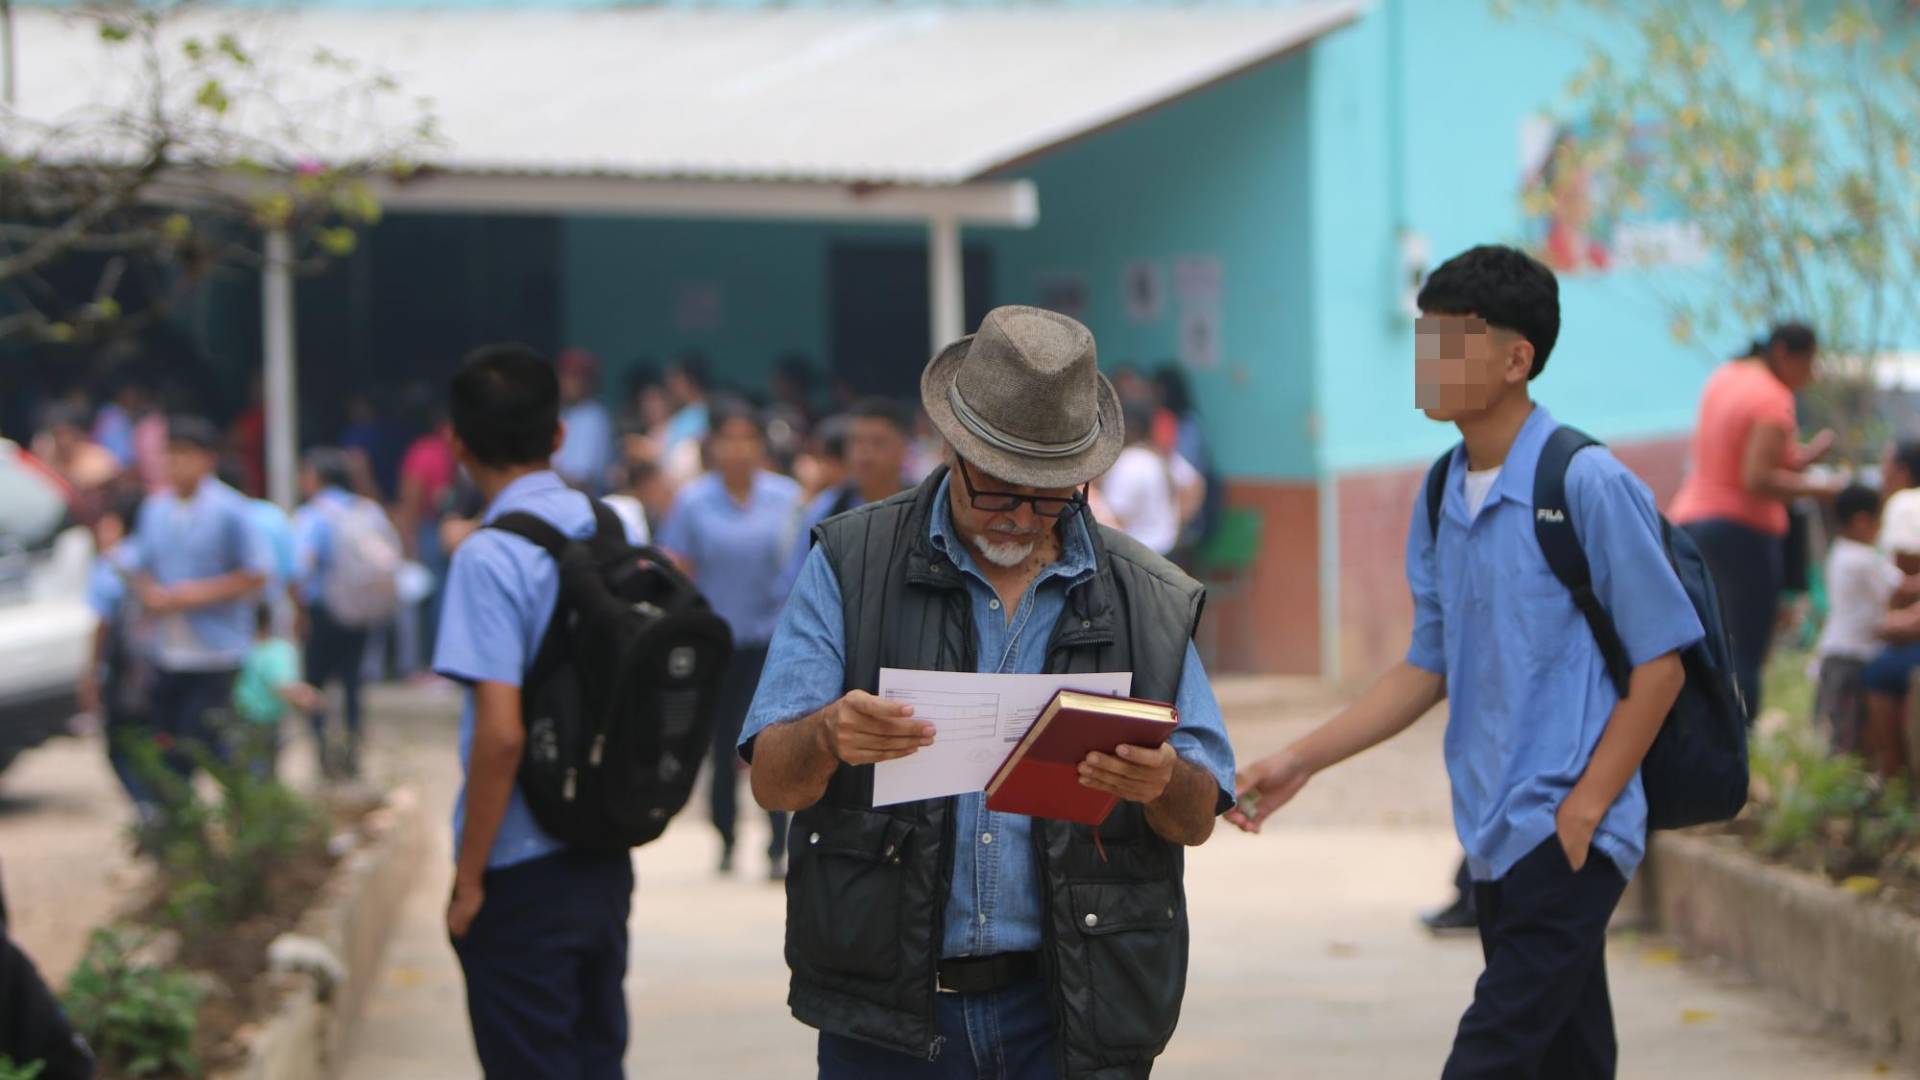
[{"x": 33, "y": 504}]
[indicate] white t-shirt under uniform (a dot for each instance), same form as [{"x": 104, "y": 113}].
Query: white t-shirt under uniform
[
  {"x": 1479, "y": 486},
  {"x": 1860, "y": 583},
  {"x": 1141, "y": 491}
]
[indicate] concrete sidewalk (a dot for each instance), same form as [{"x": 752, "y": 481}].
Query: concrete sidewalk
[{"x": 1306, "y": 960}]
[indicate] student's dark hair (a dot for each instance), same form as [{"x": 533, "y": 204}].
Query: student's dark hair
[
  {"x": 263, "y": 617},
  {"x": 796, "y": 367},
  {"x": 332, "y": 465},
  {"x": 1508, "y": 288},
  {"x": 1176, "y": 395},
  {"x": 1796, "y": 338},
  {"x": 1854, "y": 500},
  {"x": 692, "y": 365},
  {"x": 887, "y": 409},
  {"x": 192, "y": 429},
  {"x": 1907, "y": 453},
  {"x": 1138, "y": 416},
  {"x": 641, "y": 375},
  {"x": 832, "y": 434},
  {"x": 722, "y": 411},
  {"x": 505, "y": 404}
]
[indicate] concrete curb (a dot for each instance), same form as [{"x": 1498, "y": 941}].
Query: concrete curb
[
  {"x": 1855, "y": 960},
  {"x": 330, "y": 964}
]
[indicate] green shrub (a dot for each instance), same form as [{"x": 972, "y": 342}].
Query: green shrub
[
  {"x": 217, "y": 858},
  {"x": 139, "y": 1019},
  {"x": 30, "y": 1071},
  {"x": 1827, "y": 811}
]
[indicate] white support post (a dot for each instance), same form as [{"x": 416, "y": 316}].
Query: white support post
[
  {"x": 945, "y": 284},
  {"x": 276, "y": 302}
]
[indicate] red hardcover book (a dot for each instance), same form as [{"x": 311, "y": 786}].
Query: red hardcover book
[{"x": 1041, "y": 778}]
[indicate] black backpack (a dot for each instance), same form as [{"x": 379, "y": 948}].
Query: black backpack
[
  {"x": 619, "y": 700},
  {"x": 1696, "y": 771}
]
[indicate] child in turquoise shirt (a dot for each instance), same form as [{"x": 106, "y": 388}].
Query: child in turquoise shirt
[{"x": 269, "y": 684}]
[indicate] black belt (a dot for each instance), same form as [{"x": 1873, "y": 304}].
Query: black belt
[{"x": 987, "y": 974}]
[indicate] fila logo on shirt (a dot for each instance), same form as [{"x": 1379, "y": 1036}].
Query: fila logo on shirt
[{"x": 1550, "y": 515}]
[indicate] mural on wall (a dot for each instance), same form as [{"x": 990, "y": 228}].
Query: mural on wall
[{"x": 1573, "y": 222}]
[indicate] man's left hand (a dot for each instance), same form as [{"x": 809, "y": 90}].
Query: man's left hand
[{"x": 1137, "y": 774}]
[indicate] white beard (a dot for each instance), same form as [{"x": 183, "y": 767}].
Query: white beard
[{"x": 1005, "y": 556}]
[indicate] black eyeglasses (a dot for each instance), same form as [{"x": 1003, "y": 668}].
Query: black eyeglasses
[{"x": 1001, "y": 502}]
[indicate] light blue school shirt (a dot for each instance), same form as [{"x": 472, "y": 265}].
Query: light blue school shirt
[
  {"x": 499, "y": 596},
  {"x": 207, "y": 536},
  {"x": 738, "y": 550},
  {"x": 1528, "y": 692},
  {"x": 996, "y": 904},
  {"x": 313, "y": 527},
  {"x": 277, "y": 527},
  {"x": 587, "y": 452}
]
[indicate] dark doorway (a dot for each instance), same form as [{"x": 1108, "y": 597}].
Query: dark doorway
[{"x": 881, "y": 312}]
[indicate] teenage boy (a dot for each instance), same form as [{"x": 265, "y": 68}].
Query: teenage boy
[
  {"x": 1544, "y": 756},
  {"x": 196, "y": 563},
  {"x": 540, "y": 929}
]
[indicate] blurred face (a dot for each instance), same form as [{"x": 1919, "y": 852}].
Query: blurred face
[
  {"x": 737, "y": 449},
  {"x": 574, "y": 387},
  {"x": 1130, "y": 386},
  {"x": 1006, "y": 538},
  {"x": 1797, "y": 370},
  {"x": 656, "y": 408},
  {"x": 188, "y": 466},
  {"x": 67, "y": 439},
  {"x": 876, "y": 454},
  {"x": 108, "y": 531},
  {"x": 680, "y": 389},
  {"x": 1463, "y": 367}
]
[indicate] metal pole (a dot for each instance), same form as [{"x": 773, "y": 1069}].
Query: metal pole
[
  {"x": 945, "y": 285},
  {"x": 6, "y": 52},
  {"x": 276, "y": 299}
]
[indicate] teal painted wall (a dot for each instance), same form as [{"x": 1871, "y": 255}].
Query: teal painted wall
[
  {"x": 625, "y": 280},
  {"x": 1221, "y": 175},
  {"x": 1467, "y": 81}
]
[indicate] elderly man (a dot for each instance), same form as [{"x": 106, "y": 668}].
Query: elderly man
[{"x": 938, "y": 938}]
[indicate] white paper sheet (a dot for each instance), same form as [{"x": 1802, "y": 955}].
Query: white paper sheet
[{"x": 978, "y": 719}]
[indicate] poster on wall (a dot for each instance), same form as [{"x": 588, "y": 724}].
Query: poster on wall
[
  {"x": 698, "y": 307},
  {"x": 1144, "y": 283},
  {"x": 1569, "y": 203},
  {"x": 1064, "y": 292},
  {"x": 1197, "y": 285}
]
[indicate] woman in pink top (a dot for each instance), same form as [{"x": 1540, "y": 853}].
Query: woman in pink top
[{"x": 1747, "y": 463}]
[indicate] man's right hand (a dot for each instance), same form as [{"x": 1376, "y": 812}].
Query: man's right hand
[{"x": 861, "y": 729}]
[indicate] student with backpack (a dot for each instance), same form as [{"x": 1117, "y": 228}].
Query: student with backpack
[
  {"x": 349, "y": 559},
  {"x": 1561, "y": 619},
  {"x": 566, "y": 638}
]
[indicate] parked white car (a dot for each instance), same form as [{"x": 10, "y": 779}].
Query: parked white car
[{"x": 46, "y": 627}]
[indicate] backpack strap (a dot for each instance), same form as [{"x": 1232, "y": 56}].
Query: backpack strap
[
  {"x": 1553, "y": 527},
  {"x": 1437, "y": 490},
  {"x": 533, "y": 530}
]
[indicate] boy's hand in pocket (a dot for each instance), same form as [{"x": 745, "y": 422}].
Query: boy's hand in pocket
[{"x": 1575, "y": 825}]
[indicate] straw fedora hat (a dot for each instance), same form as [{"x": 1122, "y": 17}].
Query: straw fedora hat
[{"x": 1023, "y": 399}]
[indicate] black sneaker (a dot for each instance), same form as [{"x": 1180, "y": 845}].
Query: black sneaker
[
  {"x": 1456, "y": 918},
  {"x": 726, "y": 860}
]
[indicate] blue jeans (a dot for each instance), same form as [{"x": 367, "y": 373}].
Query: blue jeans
[{"x": 1001, "y": 1036}]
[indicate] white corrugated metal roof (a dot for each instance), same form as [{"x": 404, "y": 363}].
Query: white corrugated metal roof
[{"x": 925, "y": 95}]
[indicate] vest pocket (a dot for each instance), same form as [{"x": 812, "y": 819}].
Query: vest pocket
[
  {"x": 844, "y": 891},
  {"x": 1136, "y": 959}
]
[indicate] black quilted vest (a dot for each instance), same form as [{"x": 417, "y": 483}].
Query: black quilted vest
[{"x": 867, "y": 889}]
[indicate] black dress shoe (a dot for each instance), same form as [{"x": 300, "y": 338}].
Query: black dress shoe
[{"x": 1456, "y": 918}]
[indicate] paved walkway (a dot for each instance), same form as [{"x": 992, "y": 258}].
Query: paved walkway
[{"x": 1306, "y": 962}]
